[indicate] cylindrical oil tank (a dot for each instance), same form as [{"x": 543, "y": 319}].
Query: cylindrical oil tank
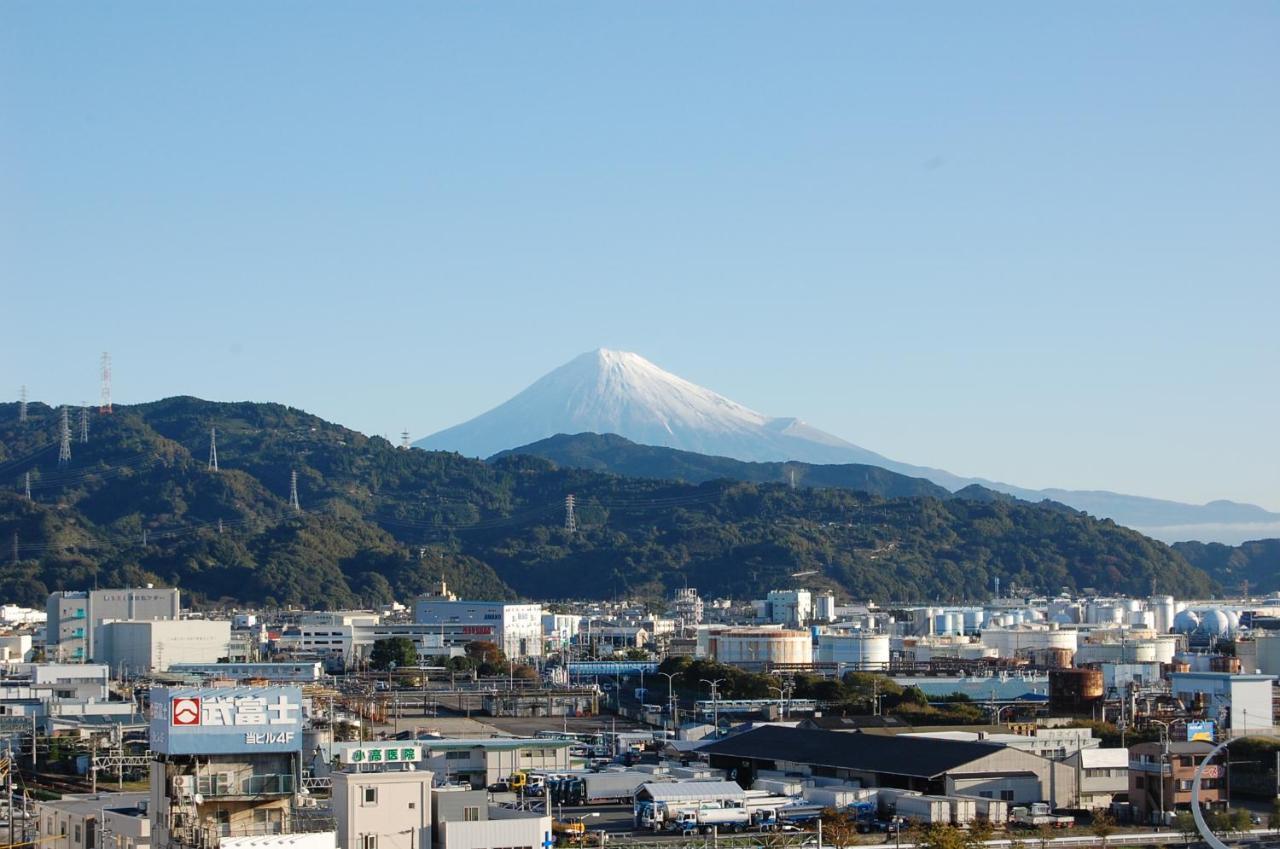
[
  {"x": 1052, "y": 658},
  {"x": 1162, "y": 608},
  {"x": 1224, "y": 663},
  {"x": 1075, "y": 691},
  {"x": 863, "y": 651},
  {"x": 756, "y": 648}
]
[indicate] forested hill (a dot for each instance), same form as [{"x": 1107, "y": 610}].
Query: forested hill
[
  {"x": 612, "y": 453},
  {"x": 1255, "y": 563},
  {"x": 137, "y": 502}
]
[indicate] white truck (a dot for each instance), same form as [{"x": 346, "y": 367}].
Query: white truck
[
  {"x": 1039, "y": 814},
  {"x": 705, "y": 819}
]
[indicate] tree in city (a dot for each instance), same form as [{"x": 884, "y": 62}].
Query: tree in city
[
  {"x": 1103, "y": 826},
  {"x": 939, "y": 836},
  {"x": 979, "y": 832},
  {"x": 1185, "y": 823},
  {"x": 393, "y": 652},
  {"x": 838, "y": 828},
  {"x": 1241, "y": 820}
]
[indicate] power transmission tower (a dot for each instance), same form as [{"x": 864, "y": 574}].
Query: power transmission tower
[
  {"x": 570, "y": 521},
  {"x": 64, "y": 450},
  {"x": 26, "y": 484},
  {"x": 793, "y": 478},
  {"x": 293, "y": 492},
  {"x": 404, "y": 439},
  {"x": 213, "y": 449},
  {"x": 144, "y": 537},
  {"x": 105, "y": 407},
  {"x": 84, "y": 423},
  {"x": 22, "y": 405}
]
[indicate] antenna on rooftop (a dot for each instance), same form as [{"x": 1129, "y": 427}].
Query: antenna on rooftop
[
  {"x": 213, "y": 449},
  {"x": 105, "y": 405},
  {"x": 22, "y": 404},
  {"x": 570, "y": 521},
  {"x": 293, "y": 492},
  {"x": 64, "y": 448}
]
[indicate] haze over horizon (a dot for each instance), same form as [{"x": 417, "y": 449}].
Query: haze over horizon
[{"x": 1033, "y": 245}]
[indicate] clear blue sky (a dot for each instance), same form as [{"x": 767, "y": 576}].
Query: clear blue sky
[{"x": 1035, "y": 242}]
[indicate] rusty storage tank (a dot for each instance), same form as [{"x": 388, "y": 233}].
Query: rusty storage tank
[
  {"x": 1052, "y": 658},
  {"x": 1224, "y": 663},
  {"x": 1074, "y": 691}
]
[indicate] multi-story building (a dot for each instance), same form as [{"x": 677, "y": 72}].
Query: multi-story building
[
  {"x": 73, "y": 617},
  {"x": 514, "y": 628},
  {"x": 1160, "y": 777},
  {"x": 687, "y": 608},
  {"x": 227, "y": 764},
  {"x": 791, "y": 608},
  {"x": 1102, "y": 777},
  {"x": 379, "y": 799}
]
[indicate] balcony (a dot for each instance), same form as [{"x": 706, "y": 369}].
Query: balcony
[{"x": 223, "y": 785}]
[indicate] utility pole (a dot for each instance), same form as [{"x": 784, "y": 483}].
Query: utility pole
[
  {"x": 26, "y": 484},
  {"x": 715, "y": 703},
  {"x": 64, "y": 433}
]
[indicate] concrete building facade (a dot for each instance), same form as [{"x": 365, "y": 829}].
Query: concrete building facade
[{"x": 73, "y": 617}]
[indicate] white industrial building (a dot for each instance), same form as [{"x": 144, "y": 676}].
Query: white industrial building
[
  {"x": 1243, "y": 701},
  {"x": 514, "y": 628},
  {"x": 154, "y": 646},
  {"x": 73, "y": 617}
]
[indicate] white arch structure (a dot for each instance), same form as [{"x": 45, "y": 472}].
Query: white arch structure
[{"x": 1201, "y": 825}]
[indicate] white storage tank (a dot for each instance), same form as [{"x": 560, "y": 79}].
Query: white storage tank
[
  {"x": 1162, "y": 610},
  {"x": 824, "y": 608},
  {"x": 862, "y": 651},
  {"x": 1186, "y": 622}
]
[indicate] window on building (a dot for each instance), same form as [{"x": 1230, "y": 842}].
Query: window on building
[
  {"x": 984, "y": 794},
  {"x": 1006, "y": 795},
  {"x": 76, "y": 835},
  {"x": 369, "y": 841},
  {"x": 371, "y": 795},
  {"x": 457, "y": 756},
  {"x": 471, "y": 814}
]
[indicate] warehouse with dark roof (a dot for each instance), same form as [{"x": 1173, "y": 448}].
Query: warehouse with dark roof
[{"x": 945, "y": 767}]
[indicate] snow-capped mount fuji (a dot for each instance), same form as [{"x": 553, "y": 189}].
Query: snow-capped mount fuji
[
  {"x": 618, "y": 392},
  {"x": 606, "y": 391}
]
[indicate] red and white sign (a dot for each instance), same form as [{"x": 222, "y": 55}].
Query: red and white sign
[{"x": 185, "y": 711}]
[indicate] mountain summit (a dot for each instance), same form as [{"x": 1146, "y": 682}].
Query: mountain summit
[
  {"x": 606, "y": 391},
  {"x": 618, "y": 392}
]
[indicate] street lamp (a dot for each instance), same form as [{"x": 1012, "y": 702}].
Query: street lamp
[
  {"x": 671, "y": 699},
  {"x": 1164, "y": 756},
  {"x": 715, "y": 703}
]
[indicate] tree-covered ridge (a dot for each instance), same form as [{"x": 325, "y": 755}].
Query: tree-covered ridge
[
  {"x": 379, "y": 523},
  {"x": 1255, "y": 563}
]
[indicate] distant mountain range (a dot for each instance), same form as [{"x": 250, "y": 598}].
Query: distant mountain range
[
  {"x": 615, "y": 392},
  {"x": 139, "y": 503}
]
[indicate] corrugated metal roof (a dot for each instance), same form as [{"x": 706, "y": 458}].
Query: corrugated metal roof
[{"x": 675, "y": 791}]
